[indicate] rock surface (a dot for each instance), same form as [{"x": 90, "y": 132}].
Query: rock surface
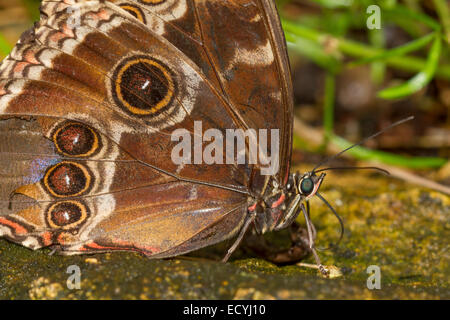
[{"x": 401, "y": 228}]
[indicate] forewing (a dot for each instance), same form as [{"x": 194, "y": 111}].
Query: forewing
[
  {"x": 239, "y": 47},
  {"x": 128, "y": 194}
]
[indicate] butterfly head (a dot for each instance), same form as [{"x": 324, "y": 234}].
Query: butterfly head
[
  {"x": 308, "y": 184},
  {"x": 299, "y": 189},
  {"x": 281, "y": 205}
]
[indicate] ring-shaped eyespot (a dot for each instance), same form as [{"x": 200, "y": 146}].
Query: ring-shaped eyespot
[
  {"x": 134, "y": 11},
  {"x": 143, "y": 86},
  {"x": 67, "y": 179},
  {"x": 306, "y": 185},
  {"x": 152, "y": 2},
  {"x": 67, "y": 215},
  {"x": 74, "y": 139}
]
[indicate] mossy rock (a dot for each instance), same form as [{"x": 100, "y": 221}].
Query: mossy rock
[{"x": 401, "y": 228}]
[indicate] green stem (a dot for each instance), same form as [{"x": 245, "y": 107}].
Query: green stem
[
  {"x": 398, "y": 51},
  {"x": 362, "y": 153},
  {"x": 359, "y": 50},
  {"x": 378, "y": 68},
  {"x": 443, "y": 11},
  {"x": 401, "y": 11},
  {"x": 366, "y": 154},
  {"x": 328, "y": 110},
  {"x": 421, "y": 79},
  {"x": 312, "y": 51}
]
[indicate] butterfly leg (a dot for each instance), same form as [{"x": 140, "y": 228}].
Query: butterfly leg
[
  {"x": 300, "y": 245},
  {"x": 256, "y": 244},
  {"x": 314, "y": 232},
  {"x": 236, "y": 243},
  {"x": 311, "y": 237},
  {"x": 299, "y": 249}
]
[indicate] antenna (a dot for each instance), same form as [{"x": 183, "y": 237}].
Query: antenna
[
  {"x": 363, "y": 141},
  {"x": 354, "y": 168}
]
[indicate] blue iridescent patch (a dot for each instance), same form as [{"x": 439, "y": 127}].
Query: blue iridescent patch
[{"x": 38, "y": 167}]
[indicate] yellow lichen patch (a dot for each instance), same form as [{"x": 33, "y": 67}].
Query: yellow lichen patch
[
  {"x": 43, "y": 289},
  {"x": 91, "y": 260},
  {"x": 397, "y": 226},
  {"x": 251, "y": 293}
]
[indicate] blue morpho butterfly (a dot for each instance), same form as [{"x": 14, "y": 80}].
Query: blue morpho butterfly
[{"x": 90, "y": 98}]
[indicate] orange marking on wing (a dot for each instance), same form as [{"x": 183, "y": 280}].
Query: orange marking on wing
[
  {"x": 20, "y": 66},
  {"x": 279, "y": 201},
  {"x": 128, "y": 244},
  {"x": 58, "y": 36},
  {"x": 68, "y": 31},
  {"x": 125, "y": 246},
  {"x": 30, "y": 57},
  {"x": 47, "y": 238},
  {"x": 61, "y": 239},
  {"x": 94, "y": 245},
  {"x": 2, "y": 90},
  {"x": 18, "y": 229},
  {"x": 103, "y": 14},
  {"x": 286, "y": 176}
]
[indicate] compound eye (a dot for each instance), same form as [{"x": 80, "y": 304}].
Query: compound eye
[{"x": 307, "y": 186}]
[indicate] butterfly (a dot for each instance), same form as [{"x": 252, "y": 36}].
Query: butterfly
[{"x": 90, "y": 98}]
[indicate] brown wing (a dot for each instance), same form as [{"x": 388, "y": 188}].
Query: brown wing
[
  {"x": 83, "y": 65},
  {"x": 138, "y": 199},
  {"x": 101, "y": 199},
  {"x": 121, "y": 185},
  {"x": 240, "y": 48}
]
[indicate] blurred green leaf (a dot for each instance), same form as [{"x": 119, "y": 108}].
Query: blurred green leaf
[
  {"x": 443, "y": 10},
  {"x": 360, "y": 50},
  {"x": 32, "y": 7},
  {"x": 312, "y": 51},
  {"x": 328, "y": 112},
  {"x": 398, "y": 51},
  {"x": 421, "y": 79},
  {"x": 389, "y": 158},
  {"x": 334, "y": 4},
  {"x": 405, "y": 12},
  {"x": 5, "y": 46},
  {"x": 378, "y": 68}
]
